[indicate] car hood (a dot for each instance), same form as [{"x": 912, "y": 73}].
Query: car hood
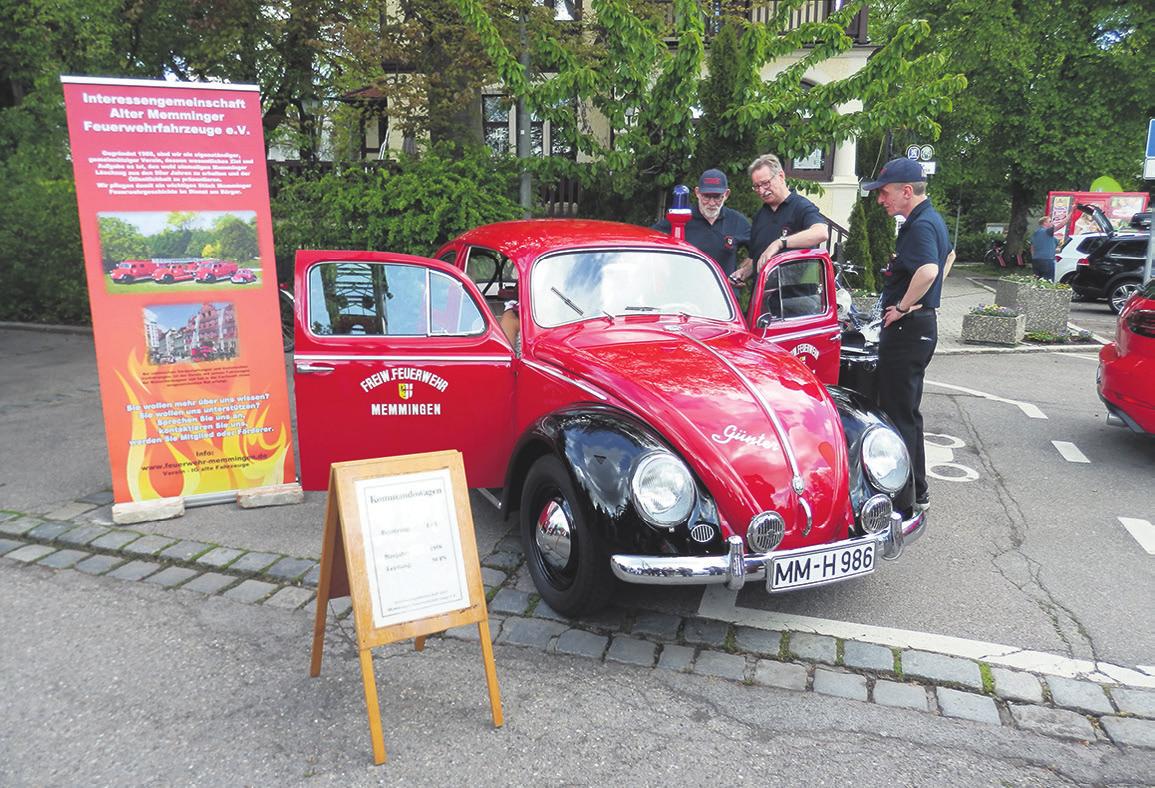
[{"x": 752, "y": 421}]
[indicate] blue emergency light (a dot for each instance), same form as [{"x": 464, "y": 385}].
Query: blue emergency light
[{"x": 681, "y": 198}]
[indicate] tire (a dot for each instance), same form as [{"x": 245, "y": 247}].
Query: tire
[
  {"x": 571, "y": 570},
  {"x": 167, "y": 279},
  {"x": 1119, "y": 294},
  {"x": 209, "y": 278}
]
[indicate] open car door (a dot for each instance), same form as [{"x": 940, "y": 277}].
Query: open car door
[
  {"x": 793, "y": 304},
  {"x": 397, "y": 354}
]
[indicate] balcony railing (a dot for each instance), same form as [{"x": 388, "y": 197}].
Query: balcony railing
[{"x": 763, "y": 11}]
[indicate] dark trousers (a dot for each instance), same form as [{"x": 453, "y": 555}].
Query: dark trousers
[
  {"x": 905, "y": 348},
  {"x": 1044, "y": 269}
]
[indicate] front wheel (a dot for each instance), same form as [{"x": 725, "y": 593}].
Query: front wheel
[
  {"x": 1120, "y": 293},
  {"x": 564, "y": 556}
]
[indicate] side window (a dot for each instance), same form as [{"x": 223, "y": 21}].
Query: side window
[
  {"x": 1128, "y": 251},
  {"x": 796, "y": 289},
  {"x": 449, "y": 257},
  {"x": 368, "y": 299},
  {"x": 494, "y": 275},
  {"x": 451, "y": 310}
]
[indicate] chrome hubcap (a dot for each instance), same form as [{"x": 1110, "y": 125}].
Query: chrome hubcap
[
  {"x": 1122, "y": 293},
  {"x": 553, "y": 534}
]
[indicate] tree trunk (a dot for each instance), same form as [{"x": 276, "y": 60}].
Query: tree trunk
[{"x": 1017, "y": 229}]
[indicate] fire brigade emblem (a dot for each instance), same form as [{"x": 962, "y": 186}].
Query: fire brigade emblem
[{"x": 405, "y": 390}]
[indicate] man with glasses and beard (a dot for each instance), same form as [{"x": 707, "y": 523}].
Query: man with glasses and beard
[{"x": 715, "y": 229}]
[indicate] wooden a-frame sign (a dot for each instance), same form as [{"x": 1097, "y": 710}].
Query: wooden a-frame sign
[{"x": 399, "y": 541}]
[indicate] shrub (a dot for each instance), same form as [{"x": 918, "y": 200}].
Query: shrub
[
  {"x": 858, "y": 244},
  {"x": 972, "y": 247}
]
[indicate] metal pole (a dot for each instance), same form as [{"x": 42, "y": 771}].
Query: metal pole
[
  {"x": 1150, "y": 255},
  {"x": 523, "y": 121},
  {"x": 957, "y": 217}
]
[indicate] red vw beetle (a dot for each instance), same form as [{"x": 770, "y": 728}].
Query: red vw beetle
[
  {"x": 638, "y": 426},
  {"x": 1126, "y": 379}
]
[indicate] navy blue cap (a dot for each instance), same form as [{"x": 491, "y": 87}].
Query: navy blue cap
[
  {"x": 713, "y": 182},
  {"x": 897, "y": 171}
]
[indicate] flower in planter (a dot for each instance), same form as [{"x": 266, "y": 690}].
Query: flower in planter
[
  {"x": 993, "y": 310},
  {"x": 1033, "y": 282}
]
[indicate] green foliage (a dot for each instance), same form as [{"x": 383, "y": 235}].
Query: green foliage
[
  {"x": 858, "y": 244},
  {"x": 1033, "y": 282},
  {"x": 237, "y": 238},
  {"x": 992, "y": 310},
  {"x": 881, "y": 235},
  {"x": 722, "y": 142},
  {"x": 972, "y": 246},
  {"x": 1047, "y": 338}
]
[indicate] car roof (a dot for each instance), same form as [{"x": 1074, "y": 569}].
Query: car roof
[{"x": 529, "y": 238}]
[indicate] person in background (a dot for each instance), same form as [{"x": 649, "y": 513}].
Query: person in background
[
  {"x": 715, "y": 229},
  {"x": 912, "y": 285},
  {"x": 787, "y": 220},
  {"x": 1043, "y": 246}
]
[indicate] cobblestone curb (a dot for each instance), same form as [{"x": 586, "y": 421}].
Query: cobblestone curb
[{"x": 930, "y": 683}]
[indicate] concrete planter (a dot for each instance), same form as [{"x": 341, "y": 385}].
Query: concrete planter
[
  {"x": 993, "y": 329},
  {"x": 1047, "y": 309}
]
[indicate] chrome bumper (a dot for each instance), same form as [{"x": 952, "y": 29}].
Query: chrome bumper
[{"x": 736, "y": 567}]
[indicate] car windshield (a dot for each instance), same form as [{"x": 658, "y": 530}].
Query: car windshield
[{"x": 575, "y": 286}]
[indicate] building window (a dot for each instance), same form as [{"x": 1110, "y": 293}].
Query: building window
[
  {"x": 495, "y": 117},
  {"x": 500, "y": 129}
]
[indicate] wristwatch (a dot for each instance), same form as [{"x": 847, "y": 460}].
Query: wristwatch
[
  {"x": 784, "y": 244},
  {"x": 901, "y": 311}
]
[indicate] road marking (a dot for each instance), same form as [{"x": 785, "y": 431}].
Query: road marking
[
  {"x": 720, "y": 604},
  {"x": 940, "y": 457},
  {"x": 1030, "y": 410},
  {"x": 1070, "y": 451},
  {"x": 1076, "y": 355},
  {"x": 1142, "y": 530}
]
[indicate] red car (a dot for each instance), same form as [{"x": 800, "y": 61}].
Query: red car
[
  {"x": 175, "y": 271},
  {"x": 638, "y": 426},
  {"x": 1126, "y": 378},
  {"x": 133, "y": 271},
  {"x": 243, "y": 276},
  {"x": 212, "y": 270}
]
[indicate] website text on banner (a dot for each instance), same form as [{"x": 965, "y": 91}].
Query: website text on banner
[{"x": 178, "y": 248}]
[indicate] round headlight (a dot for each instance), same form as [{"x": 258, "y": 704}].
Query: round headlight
[
  {"x": 662, "y": 489},
  {"x": 885, "y": 458}
]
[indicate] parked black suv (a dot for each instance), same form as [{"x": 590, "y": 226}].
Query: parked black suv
[{"x": 1114, "y": 269}]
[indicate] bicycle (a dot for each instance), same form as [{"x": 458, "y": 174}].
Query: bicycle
[{"x": 997, "y": 256}]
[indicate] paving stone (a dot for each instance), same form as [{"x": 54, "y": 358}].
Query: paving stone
[
  {"x": 47, "y": 532},
  {"x": 939, "y": 667},
  {"x": 134, "y": 570},
  {"x": 839, "y": 684},
  {"x": 510, "y": 601},
  {"x": 581, "y": 643},
  {"x": 99, "y": 564},
  {"x": 184, "y": 550},
  {"x": 1079, "y": 695},
  {"x": 522, "y": 580},
  {"x": 508, "y": 544},
  {"x": 867, "y": 656},
  {"x": 608, "y": 618},
  {"x": 542, "y": 610},
  {"x": 290, "y": 570},
  {"x": 209, "y": 583},
  {"x": 967, "y": 706},
  {"x": 717, "y": 663},
  {"x": 8, "y": 545},
  {"x": 1130, "y": 732},
  {"x": 705, "y": 632},
  {"x": 502, "y": 560},
  {"x": 675, "y": 657},
  {"x": 1017, "y": 685},
  {"x": 8, "y": 516},
  {"x": 219, "y": 557},
  {"x": 70, "y": 510},
  {"x": 1061, "y": 723},
  {"x": 290, "y": 597},
  {"x": 147, "y": 546},
  {"x": 171, "y": 576},
  {"x": 82, "y": 535},
  {"x": 313, "y": 576},
  {"x": 1139, "y": 702},
  {"x": 758, "y": 641},
  {"x": 64, "y": 559},
  {"x": 254, "y": 562},
  {"x": 786, "y": 675},
  {"x": 815, "y": 648},
  {"x": 903, "y": 696},
  {"x": 533, "y": 632},
  {"x": 250, "y": 591},
  {"x": 657, "y": 625},
  {"x": 30, "y": 553},
  {"x": 491, "y": 577},
  {"x": 19, "y": 526},
  {"x": 632, "y": 651},
  {"x": 101, "y": 516},
  {"x": 472, "y": 631},
  {"x": 114, "y": 539},
  {"x": 102, "y": 498}
]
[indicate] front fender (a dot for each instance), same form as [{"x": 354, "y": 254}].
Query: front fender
[{"x": 858, "y": 414}]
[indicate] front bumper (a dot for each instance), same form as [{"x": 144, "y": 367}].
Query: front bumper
[{"x": 736, "y": 567}]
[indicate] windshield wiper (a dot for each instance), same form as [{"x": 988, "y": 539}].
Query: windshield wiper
[
  {"x": 641, "y": 309},
  {"x": 568, "y": 303}
]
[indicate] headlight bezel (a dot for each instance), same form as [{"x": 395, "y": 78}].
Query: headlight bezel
[
  {"x": 643, "y": 474},
  {"x": 883, "y": 478}
]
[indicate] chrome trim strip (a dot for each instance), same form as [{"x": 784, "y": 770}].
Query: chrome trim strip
[
  {"x": 809, "y": 333},
  {"x": 735, "y": 567},
  {"x": 368, "y": 357},
  {"x": 573, "y": 381}
]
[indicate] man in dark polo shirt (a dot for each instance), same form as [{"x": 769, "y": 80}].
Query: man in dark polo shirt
[
  {"x": 715, "y": 229},
  {"x": 912, "y": 284},
  {"x": 787, "y": 220}
]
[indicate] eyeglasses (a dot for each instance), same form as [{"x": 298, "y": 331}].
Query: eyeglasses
[
  {"x": 764, "y": 185},
  {"x": 711, "y": 197}
]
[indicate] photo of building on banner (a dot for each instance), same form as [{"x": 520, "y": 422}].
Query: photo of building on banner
[{"x": 178, "y": 247}]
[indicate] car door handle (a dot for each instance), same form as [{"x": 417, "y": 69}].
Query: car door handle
[{"x": 305, "y": 367}]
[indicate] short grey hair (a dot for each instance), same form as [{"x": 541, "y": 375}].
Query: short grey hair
[
  {"x": 919, "y": 188},
  {"x": 765, "y": 160}
]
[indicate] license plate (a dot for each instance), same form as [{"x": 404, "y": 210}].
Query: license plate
[{"x": 821, "y": 565}]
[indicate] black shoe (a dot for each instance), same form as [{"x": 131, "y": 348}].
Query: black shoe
[{"x": 922, "y": 503}]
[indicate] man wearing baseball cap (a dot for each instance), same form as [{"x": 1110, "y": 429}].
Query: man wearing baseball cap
[
  {"x": 715, "y": 229},
  {"x": 912, "y": 284}
]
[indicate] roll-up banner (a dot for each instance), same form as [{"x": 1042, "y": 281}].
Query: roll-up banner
[{"x": 178, "y": 249}]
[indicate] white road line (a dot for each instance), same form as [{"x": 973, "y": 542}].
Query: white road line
[
  {"x": 1075, "y": 355},
  {"x": 1070, "y": 451},
  {"x": 719, "y": 604},
  {"x": 1030, "y": 410},
  {"x": 1142, "y": 530}
]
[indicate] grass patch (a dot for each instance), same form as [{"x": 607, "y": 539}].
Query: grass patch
[
  {"x": 988, "y": 678},
  {"x": 730, "y": 644},
  {"x": 897, "y": 661},
  {"x": 534, "y": 600},
  {"x": 839, "y": 651},
  {"x": 784, "y": 647}
]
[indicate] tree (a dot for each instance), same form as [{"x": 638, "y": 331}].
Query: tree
[
  {"x": 858, "y": 244},
  {"x": 120, "y": 241},
  {"x": 880, "y": 230}
]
